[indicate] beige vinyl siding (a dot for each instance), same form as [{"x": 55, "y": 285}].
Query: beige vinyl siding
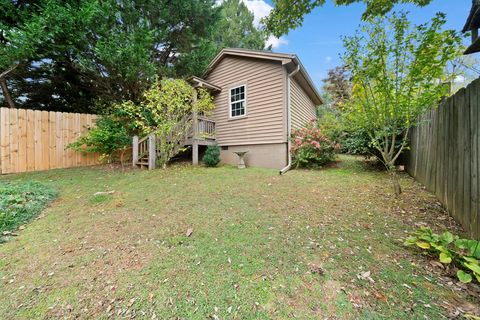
[
  {"x": 302, "y": 107},
  {"x": 273, "y": 156},
  {"x": 264, "y": 121}
]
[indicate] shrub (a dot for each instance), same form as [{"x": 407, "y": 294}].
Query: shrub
[
  {"x": 212, "y": 156},
  {"x": 464, "y": 254},
  {"x": 332, "y": 126},
  {"x": 166, "y": 110},
  {"x": 20, "y": 202},
  {"x": 310, "y": 148},
  {"x": 107, "y": 138},
  {"x": 357, "y": 142}
]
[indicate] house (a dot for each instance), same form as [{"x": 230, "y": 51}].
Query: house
[
  {"x": 263, "y": 96},
  {"x": 472, "y": 25},
  {"x": 259, "y": 97}
]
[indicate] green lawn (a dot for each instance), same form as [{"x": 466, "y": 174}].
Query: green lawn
[{"x": 310, "y": 245}]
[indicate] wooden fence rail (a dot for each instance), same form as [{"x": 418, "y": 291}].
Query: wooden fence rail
[
  {"x": 445, "y": 152},
  {"x": 32, "y": 140}
]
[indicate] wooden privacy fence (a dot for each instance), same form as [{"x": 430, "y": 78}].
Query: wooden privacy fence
[
  {"x": 444, "y": 155},
  {"x": 32, "y": 140}
]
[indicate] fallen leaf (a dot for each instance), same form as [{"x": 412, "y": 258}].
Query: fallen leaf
[
  {"x": 380, "y": 296},
  {"x": 314, "y": 269},
  {"x": 103, "y": 192},
  {"x": 189, "y": 232}
]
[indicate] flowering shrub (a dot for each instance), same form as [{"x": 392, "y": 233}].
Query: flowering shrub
[{"x": 310, "y": 148}]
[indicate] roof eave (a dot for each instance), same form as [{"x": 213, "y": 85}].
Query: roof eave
[
  {"x": 474, "y": 47},
  {"x": 201, "y": 83},
  {"x": 309, "y": 80},
  {"x": 284, "y": 58}
]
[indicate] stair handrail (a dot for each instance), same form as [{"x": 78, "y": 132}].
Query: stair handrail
[{"x": 139, "y": 148}]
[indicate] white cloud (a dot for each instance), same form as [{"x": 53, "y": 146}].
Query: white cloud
[
  {"x": 328, "y": 59},
  {"x": 260, "y": 9},
  {"x": 276, "y": 42}
]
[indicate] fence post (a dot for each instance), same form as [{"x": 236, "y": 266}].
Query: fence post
[
  {"x": 135, "y": 151},
  {"x": 152, "y": 151}
]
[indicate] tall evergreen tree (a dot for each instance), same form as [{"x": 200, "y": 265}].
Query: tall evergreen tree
[
  {"x": 236, "y": 28},
  {"x": 73, "y": 54}
]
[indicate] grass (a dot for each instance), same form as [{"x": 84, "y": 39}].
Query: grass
[
  {"x": 263, "y": 247},
  {"x": 21, "y": 202}
]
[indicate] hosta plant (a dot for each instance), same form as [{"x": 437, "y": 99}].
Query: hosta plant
[{"x": 450, "y": 249}]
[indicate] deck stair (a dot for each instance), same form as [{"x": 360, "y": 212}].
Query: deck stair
[{"x": 145, "y": 150}]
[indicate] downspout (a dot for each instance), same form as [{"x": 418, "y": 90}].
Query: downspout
[{"x": 289, "y": 120}]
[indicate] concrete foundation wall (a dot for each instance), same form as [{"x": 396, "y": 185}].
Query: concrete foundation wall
[{"x": 272, "y": 156}]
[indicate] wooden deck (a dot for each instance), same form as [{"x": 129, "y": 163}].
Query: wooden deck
[{"x": 201, "y": 133}]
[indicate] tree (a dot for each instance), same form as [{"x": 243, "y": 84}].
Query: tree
[
  {"x": 288, "y": 14},
  {"x": 20, "y": 41},
  {"x": 30, "y": 35},
  {"x": 166, "y": 111},
  {"x": 337, "y": 87},
  {"x": 116, "y": 48},
  {"x": 75, "y": 55},
  {"x": 398, "y": 73},
  {"x": 236, "y": 29},
  {"x": 466, "y": 69},
  {"x": 130, "y": 43}
]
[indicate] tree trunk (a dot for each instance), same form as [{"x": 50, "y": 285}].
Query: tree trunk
[
  {"x": 6, "y": 93},
  {"x": 396, "y": 183}
]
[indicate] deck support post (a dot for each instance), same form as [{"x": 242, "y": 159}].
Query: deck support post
[
  {"x": 135, "y": 150},
  {"x": 195, "y": 152},
  {"x": 194, "y": 129},
  {"x": 152, "y": 151}
]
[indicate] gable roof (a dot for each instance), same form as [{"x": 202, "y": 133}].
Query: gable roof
[
  {"x": 473, "y": 20},
  {"x": 284, "y": 58}
]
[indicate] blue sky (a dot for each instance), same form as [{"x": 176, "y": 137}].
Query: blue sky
[{"x": 318, "y": 41}]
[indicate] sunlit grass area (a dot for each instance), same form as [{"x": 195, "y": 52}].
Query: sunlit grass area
[{"x": 309, "y": 244}]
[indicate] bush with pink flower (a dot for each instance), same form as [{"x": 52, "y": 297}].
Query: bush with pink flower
[{"x": 310, "y": 148}]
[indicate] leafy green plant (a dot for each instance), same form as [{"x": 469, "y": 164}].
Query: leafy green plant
[
  {"x": 107, "y": 138},
  {"x": 212, "y": 156},
  {"x": 462, "y": 253},
  {"x": 331, "y": 125},
  {"x": 311, "y": 148},
  {"x": 20, "y": 202},
  {"x": 166, "y": 111},
  {"x": 398, "y": 73}
]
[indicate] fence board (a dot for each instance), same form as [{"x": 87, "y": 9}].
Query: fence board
[
  {"x": 52, "y": 163},
  {"x": 22, "y": 140},
  {"x": 59, "y": 149},
  {"x": 44, "y": 137},
  {"x": 445, "y": 155},
  {"x": 14, "y": 133},
  {"x": 30, "y": 141},
  {"x": 36, "y": 140}
]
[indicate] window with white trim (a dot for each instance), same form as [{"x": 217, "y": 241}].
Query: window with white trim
[{"x": 237, "y": 101}]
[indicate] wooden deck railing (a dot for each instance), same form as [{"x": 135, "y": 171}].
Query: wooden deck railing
[{"x": 205, "y": 128}]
